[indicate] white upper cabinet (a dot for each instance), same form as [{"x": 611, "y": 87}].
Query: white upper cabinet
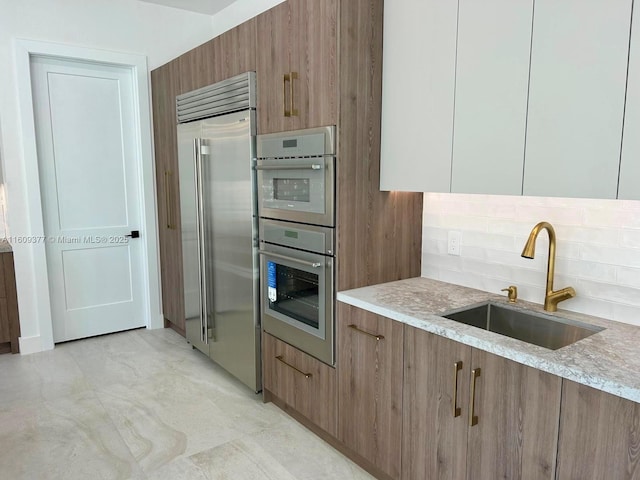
[
  {"x": 492, "y": 76},
  {"x": 419, "y": 61},
  {"x": 576, "y": 98},
  {"x": 629, "y": 188}
]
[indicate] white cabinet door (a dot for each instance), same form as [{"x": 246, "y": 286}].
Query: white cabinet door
[
  {"x": 629, "y": 188},
  {"x": 576, "y": 99},
  {"x": 492, "y": 77},
  {"x": 417, "y": 94}
]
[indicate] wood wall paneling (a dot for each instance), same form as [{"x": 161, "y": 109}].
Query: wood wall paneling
[{"x": 379, "y": 233}]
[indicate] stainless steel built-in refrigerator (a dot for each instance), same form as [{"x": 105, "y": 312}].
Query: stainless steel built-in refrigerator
[{"x": 219, "y": 224}]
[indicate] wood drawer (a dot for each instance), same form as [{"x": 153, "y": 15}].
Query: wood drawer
[{"x": 300, "y": 381}]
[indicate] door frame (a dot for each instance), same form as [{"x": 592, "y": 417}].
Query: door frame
[{"x": 24, "y": 49}]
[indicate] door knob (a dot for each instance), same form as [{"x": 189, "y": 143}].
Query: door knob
[{"x": 133, "y": 234}]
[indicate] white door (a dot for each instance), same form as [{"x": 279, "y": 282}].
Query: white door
[{"x": 87, "y": 157}]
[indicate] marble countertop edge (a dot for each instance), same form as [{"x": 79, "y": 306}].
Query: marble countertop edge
[{"x": 590, "y": 361}]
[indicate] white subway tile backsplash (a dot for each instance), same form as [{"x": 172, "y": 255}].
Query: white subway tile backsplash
[
  {"x": 630, "y": 238},
  {"x": 598, "y": 248},
  {"x": 626, "y": 314},
  {"x": 614, "y": 256},
  {"x": 629, "y": 277}
]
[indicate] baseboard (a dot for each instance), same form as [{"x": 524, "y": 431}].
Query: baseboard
[{"x": 30, "y": 345}]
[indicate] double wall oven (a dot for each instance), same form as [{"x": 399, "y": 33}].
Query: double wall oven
[{"x": 296, "y": 205}]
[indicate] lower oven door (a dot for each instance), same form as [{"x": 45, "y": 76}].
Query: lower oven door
[{"x": 296, "y": 290}]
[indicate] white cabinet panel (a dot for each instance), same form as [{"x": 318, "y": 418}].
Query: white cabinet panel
[
  {"x": 576, "y": 99},
  {"x": 629, "y": 188},
  {"x": 492, "y": 76},
  {"x": 418, "y": 94}
]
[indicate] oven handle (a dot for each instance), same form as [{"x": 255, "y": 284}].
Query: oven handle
[
  {"x": 312, "y": 166},
  {"x": 291, "y": 259}
]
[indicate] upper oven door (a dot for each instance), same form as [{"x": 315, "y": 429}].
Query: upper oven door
[{"x": 297, "y": 189}]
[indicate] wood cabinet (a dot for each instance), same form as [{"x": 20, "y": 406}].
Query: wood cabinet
[
  {"x": 225, "y": 56},
  {"x": 436, "y": 374},
  {"x": 297, "y": 65},
  {"x": 491, "y": 87},
  {"x": 301, "y": 382},
  {"x": 515, "y": 409},
  {"x": 9, "y": 320},
  {"x": 165, "y": 85},
  {"x": 599, "y": 435},
  {"x": 576, "y": 100},
  {"x": 370, "y": 386}
]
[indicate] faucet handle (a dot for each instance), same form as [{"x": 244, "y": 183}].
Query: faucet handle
[{"x": 513, "y": 293}]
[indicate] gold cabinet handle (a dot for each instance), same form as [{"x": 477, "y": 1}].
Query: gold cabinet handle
[
  {"x": 457, "y": 366},
  {"x": 287, "y": 78},
  {"x": 167, "y": 198},
  {"x": 377, "y": 337},
  {"x": 292, "y": 76},
  {"x": 473, "y": 418},
  {"x": 306, "y": 375}
]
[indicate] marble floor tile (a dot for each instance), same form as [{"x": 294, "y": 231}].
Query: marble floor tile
[
  {"x": 305, "y": 455},
  {"x": 37, "y": 378},
  {"x": 240, "y": 460},
  {"x": 144, "y": 405},
  {"x": 69, "y": 438}
]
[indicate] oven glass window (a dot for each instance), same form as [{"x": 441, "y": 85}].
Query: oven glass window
[
  {"x": 291, "y": 189},
  {"x": 294, "y": 293}
]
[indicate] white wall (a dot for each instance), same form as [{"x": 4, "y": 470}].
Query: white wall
[
  {"x": 128, "y": 26},
  {"x": 239, "y": 12},
  {"x": 598, "y": 248}
]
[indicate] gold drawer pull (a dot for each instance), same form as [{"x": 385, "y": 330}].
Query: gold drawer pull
[
  {"x": 167, "y": 198},
  {"x": 377, "y": 337},
  {"x": 306, "y": 375},
  {"x": 287, "y": 78},
  {"x": 473, "y": 418},
  {"x": 457, "y": 366},
  {"x": 292, "y": 76}
]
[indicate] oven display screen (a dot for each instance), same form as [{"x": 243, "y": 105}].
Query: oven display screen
[
  {"x": 294, "y": 293},
  {"x": 291, "y": 189}
]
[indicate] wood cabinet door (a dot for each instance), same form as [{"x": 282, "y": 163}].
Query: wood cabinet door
[
  {"x": 165, "y": 85},
  {"x": 369, "y": 363},
  {"x": 301, "y": 381},
  {"x": 436, "y": 406},
  {"x": 517, "y": 409},
  {"x": 599, "y": 435},
  {"x": 234, "y": 52},
  {"x": 297, "y": 65}
]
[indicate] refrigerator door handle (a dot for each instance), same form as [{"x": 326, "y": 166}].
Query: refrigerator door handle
[{"x": 197, "y": 146}]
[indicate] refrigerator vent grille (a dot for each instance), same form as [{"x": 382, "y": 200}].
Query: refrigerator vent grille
[{"x": 231, "y": 95}]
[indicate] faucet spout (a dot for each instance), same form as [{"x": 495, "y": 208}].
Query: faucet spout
[{"x": 552, "y": 298}]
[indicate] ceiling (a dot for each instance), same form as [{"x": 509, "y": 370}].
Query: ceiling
[{"x": 208, "y": 7}]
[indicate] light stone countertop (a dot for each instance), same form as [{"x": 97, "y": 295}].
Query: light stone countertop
[
  {"x": 5, "y": 246},
  {"x": 608, "y": 360}
]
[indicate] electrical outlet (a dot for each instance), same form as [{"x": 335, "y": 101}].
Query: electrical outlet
[{"x": 453, "y": 242}]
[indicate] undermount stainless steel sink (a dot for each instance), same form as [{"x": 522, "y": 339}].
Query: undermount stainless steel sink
[{"x": 531, "y": 327}]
